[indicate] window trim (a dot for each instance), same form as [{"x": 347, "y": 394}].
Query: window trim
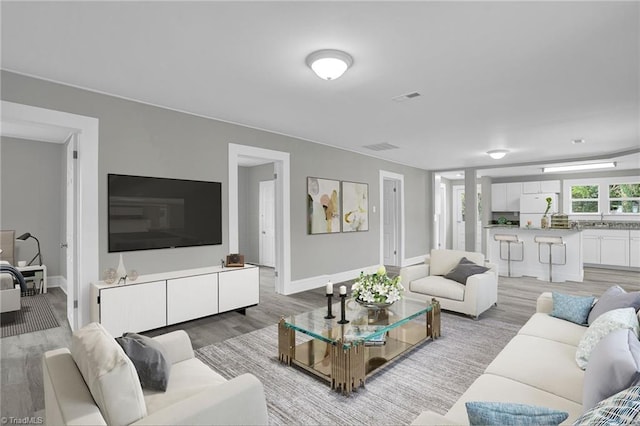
[{"x": 603, "y": 194}]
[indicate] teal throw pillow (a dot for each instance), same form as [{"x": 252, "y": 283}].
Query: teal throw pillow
[
  {"x": 622, "y": 408},
  {"x": 572, "y": 308},
  {"x": 502, "y": 413}
]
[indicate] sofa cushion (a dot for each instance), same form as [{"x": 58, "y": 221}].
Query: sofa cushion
[
  {"x": 614, "y": 366},
  {"x": 463, "y": 270},
  {"x": 438, "y": 287},
  {"x": 503, "y": 413},
  {"x": 489, "y": 387},
  {"x": 622, "y": 408},
  {"x": 149, "y": 358},
  {"x": 109, "y": 375},
  {"x": 442, "y": 260},
  {"x": 542, "y": 363},
  {"x": 614, "y": 298},
  {"x": 547, "y": 327},
  {"x": 624, "y": 318},
  {"x": 572, "y": 308},
  {"x": 187, "y": 378}
]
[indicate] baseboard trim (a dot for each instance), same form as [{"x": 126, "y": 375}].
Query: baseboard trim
[
  {"x": 321, "y": 280},
  {"x": 57, "y": 281}
]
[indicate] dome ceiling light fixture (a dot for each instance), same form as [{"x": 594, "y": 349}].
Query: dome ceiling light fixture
[
  {"x": 497, "y": 154},
  {"x": 329, "y": 64}
]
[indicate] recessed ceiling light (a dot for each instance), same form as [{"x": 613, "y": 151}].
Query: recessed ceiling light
[
  {"x": 576, "y": 167},
  {"x": 497, "y": 154},
  {"x": 577, "y": 141},
  {"x": 329, "y": 64}
]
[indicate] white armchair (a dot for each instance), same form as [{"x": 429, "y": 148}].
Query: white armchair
[
  {"x": 425, "y": 281},
  {"x": 95, "y": 383}
]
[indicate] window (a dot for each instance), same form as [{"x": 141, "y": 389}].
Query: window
[
  {"x": 624, "y": 198},
  {"x": 584, "y": 198}
]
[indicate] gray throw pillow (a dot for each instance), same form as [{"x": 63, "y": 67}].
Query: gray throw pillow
[
  {"x": 614, "y": 298},
  {"x": 613, "y": 366},
  {"x": 149, "y": 358},
  {"x": 463, "y": 270}
]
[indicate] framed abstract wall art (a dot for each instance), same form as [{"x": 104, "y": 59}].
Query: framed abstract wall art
[
  {"x": 355, "y": 207},
  {"x": 323, "y": 206}
]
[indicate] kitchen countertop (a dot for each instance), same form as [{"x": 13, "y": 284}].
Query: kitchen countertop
[{"x": 532, "y": 228}]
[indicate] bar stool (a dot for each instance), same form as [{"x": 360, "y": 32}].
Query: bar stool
[
  {"x": 550, "y": 242},
  {"x": 509, "y": 239}
]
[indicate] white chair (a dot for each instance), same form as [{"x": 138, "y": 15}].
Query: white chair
[{"x": 551, "y": 242}]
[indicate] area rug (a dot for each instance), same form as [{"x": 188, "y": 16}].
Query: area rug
[
  {"x": 35, "y": 315},
  {"x": 432, "y": 376}
]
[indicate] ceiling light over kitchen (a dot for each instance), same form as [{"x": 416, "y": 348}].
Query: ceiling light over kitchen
[
  {"x": 575, "y": 167},
  {"x": 329, "y": 64},
  {"x": 577, "y": 141},
  {"x": 497, "y": 154}
]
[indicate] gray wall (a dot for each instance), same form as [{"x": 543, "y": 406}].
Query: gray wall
[
  {"x": 145, "y": 140},
  {"x": 33, "y": 198}
]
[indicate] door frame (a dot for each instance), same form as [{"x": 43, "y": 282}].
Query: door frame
[
  {"x": 399, "y": 225},
  {"x": 261, "y": 207},
  {"x": 87, "y": 220},
  {"x": 282, "y": 207}
]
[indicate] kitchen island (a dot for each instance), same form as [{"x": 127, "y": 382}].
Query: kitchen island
[{"x": 530, "y": 266}]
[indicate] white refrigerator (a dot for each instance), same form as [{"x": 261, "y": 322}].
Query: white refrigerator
[{"x": 532, "y": 207}]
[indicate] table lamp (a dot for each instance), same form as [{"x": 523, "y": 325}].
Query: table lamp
[{"x": 25, "y": 237}]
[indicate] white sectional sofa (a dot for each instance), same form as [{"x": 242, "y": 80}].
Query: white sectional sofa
[
  {"x": 96, "y": 384},
  {"x": 426, "y": 281},
  {"x": 537, "y": 367}
]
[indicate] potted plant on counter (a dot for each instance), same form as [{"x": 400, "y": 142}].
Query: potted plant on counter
[{"x": 544, "y": 223}]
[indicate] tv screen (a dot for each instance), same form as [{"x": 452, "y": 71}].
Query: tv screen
[{"x": 153, "y": 213}]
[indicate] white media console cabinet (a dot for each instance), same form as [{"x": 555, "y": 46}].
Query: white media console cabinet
[{"x": 159, "y": 300}]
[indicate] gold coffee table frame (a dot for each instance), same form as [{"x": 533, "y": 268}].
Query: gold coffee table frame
[{"x": 345, "y": 355}]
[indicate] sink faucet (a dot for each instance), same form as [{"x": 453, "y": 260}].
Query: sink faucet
[{"x": 602, "y": 217}]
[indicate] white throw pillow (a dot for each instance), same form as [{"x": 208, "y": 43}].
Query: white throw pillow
[
  {"x": 109, "y": 374},
  {"x": 603, "y": 325}
]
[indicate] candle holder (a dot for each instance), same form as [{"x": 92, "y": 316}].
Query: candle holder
[
  {"x": 343, "y": 320},
  {"x": 329, "y": 313}
]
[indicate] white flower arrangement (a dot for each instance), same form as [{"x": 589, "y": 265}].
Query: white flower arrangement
[{"x": 377, "y": 288}]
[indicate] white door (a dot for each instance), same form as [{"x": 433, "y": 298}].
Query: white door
[
  {"x": 70, "y": 244},
  {"x": 442, "y": 218},
  {"x": 390, "y": 226},
  {"x": 267, "y": 224},
  {"x": 459, "y": 222}
]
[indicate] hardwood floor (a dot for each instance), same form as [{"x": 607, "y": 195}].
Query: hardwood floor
[{"x": 21, "y": 365}]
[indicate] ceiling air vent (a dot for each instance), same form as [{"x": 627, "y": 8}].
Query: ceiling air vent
[
  {"x": 381, "y": 146},
  {"x": 406, "y": 97}
]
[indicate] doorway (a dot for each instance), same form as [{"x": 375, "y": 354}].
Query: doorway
[
  {"x": 391, "y": 218},
  {"x": 459, "y": 207}
]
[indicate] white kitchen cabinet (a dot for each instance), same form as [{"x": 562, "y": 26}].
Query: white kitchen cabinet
[
  {"x": 133, "y": 308},
  {"x": 606, "y": 247},
  {"x": 541, "y": 187},
  {"x": 192, "y": 297},
  {"x": 505, "y": 197},
  {"x": 634, "y": 248},
  {"x": 237, "y": 289}
]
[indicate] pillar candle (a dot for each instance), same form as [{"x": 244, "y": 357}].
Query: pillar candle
[
  {"x": 343, "y": 289},
  {"x": 329, "y": 287}
]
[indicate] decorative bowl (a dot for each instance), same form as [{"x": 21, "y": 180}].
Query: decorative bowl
[{"x": 374, "y": 305}]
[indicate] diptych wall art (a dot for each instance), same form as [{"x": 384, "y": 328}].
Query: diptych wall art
[
  {"x": 323, "y": 206},
  {"x": 334, "y": 206},
  {"x": 355, "y": 207}
]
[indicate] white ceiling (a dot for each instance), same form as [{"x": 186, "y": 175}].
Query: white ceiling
[{"x": 526, "y": 76}]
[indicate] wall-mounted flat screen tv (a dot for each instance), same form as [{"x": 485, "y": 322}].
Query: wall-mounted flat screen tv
[{"x": 152, "y": 213}]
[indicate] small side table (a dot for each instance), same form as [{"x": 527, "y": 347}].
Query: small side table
[{"x": 37, "y": 273}]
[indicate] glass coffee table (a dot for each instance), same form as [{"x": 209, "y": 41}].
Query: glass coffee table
[{"x": 346, "y": 354}]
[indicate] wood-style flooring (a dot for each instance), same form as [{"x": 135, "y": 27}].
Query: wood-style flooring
[{"x": 22, "y": 392}]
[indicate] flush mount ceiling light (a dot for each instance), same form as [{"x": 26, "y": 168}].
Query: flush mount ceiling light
[
  {"x": 577, "y": 141},
  {"x": 329, "y": 64},
  {"x": 497, "y": 154},
  {"x": 576, "y": 167}
]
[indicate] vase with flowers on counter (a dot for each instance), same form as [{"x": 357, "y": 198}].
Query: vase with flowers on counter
[{"x": 544, "y": 222}]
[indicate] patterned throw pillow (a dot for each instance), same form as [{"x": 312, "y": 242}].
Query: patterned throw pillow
[
  {"x": 603, "y": 325},
  {"x": 622, "y": 408},
  {"x": 572, "y": 308},
  {"x": 502, "y": 413}
]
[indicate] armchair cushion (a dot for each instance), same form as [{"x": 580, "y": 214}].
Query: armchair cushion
[
  {"x": 109, "y": 375},
  {"x": 439, "y": 287},
  {"x": 149, "y": 358},
  {"x": 463, "y": 270}
]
